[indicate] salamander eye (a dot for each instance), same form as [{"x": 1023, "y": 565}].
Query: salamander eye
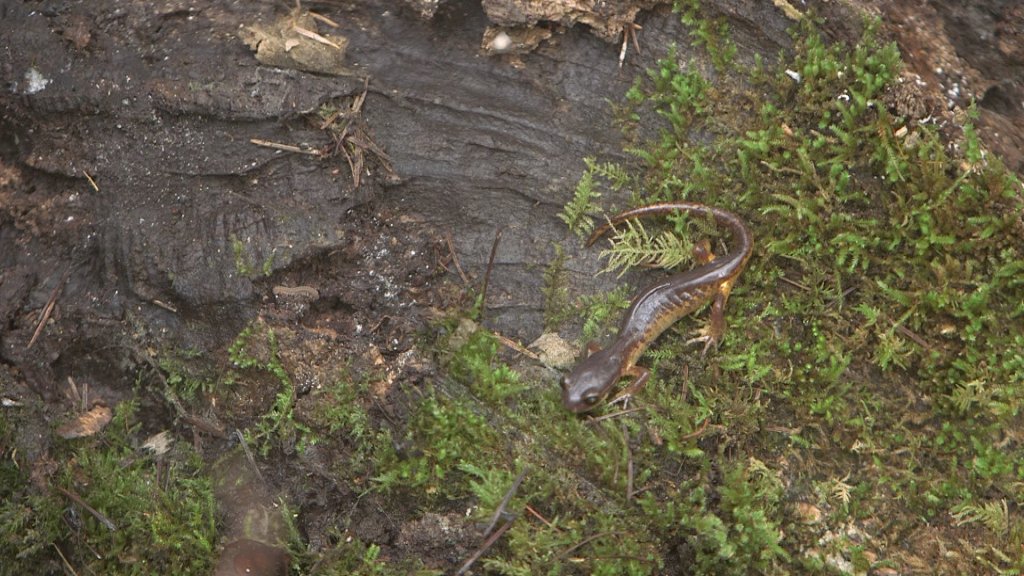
[
  {"x": 591, "y": 399},
  {"x": 564, "y": 382}
]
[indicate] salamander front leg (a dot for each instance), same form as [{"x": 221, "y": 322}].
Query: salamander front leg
[{"x": 641, "y": 376}]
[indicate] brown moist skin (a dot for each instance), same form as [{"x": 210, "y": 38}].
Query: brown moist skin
[{"x": 658, "y": 307}]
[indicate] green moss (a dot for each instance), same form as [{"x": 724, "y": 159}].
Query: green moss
[
  {"x": 604, "y": 542},
  {"x": 475, "y": 365},
  {"x": 602, "y": 311},
  {"x": 712, "y": 34},
  {"x": 733, "y": 528},
  {"x": 557, "y": 307},
  {"x": 256, "y": 349},
  {"x": 443, "y": 433},
  {"x": 885, "y": 289},
  {"x": 187, "y": 383},
  {"x": 576, "y": 211},
  {"x": 242, "y": 266},
  {"x": 162, "y": 516},
  {"x": 246, "y": 264},
  {"x": 351, "y": 557},
  {"x": 30, "y": 521}
]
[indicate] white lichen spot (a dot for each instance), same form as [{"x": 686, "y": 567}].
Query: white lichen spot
[
  {"x": 35, "y": 81},
  {"x": 501, "y": 42}
]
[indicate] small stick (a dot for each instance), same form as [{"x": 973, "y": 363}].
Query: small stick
[
  {"x": 455, "y": 258},
  {"x": 586, "y": 541},
  {"x": 91, "y": 181},
  {"x": 354, "y": 108},
  {"x": 75, "y": 396},
  {"x": 633, "y": 27},
  {"x": 506, "y": 500},
  {"x": 354, "y": 167},
  {"x": 48, "y": 309},
  {"x": 248, "y": 454},
  {"x": 614, "y": 415},
  {"x": 484, "y": 547},
  {"x": 698, "y": 432},
  {"x": 385, "y": 411},
  {"x": 629, "y": 32},
  {"x": 78, "y": 500},
  {"x": 285, "y": 147},
  {"x": 794, "y": 283},
  {"x": 324, "y": 19},
  {"x": 314, "y": 36},
  {"x": 203, "y": 425},
  {"x": 330, "y": 120},
  {"x": 66, "y": 563},
  {"x": 625, "y": 43},
  {"x": 93, "y": 550},
  {"x": 487, "y": 274},
  {"x": 685, "y": 393},
  {"x": 629, "y": 464},
  {"x": 165, "y": 306},
  {"x": 839, "y": 300},
  {"x": 782, "y": 429},
  {"x": 357, "y": 102},
  {"x": 541, "y": 518},
  {"x": 913, "y": 336},
  {"x": 515, "y": 346}
]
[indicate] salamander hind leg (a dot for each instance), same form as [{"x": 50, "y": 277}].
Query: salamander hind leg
[
  {"x": 711, "y": 334},
  {"x": 702, "y": 253}
]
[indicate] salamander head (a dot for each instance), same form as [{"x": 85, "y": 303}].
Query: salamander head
[{"x": 591, "y": 380}]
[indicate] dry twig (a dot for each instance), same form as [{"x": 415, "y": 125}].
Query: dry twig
[
  {"x": 629, "y": 464},
  {"x": 597, "y": 419},
  {"x": 484, "y": 547},
  {"x": 62, "y": 557},
  {"x": 490, "y": 266},
  {"x": 455, "y": 257},
  {"x": 538, "y": 516},
  {"x": 48, "y": 309},
  {"x": 285, "y": 147},
  {"x": 504, "y": 501},
  {"x": 96, "y": 513},
  {"x": 515, "y": 346},
  {"x": 314, "y": 36}
]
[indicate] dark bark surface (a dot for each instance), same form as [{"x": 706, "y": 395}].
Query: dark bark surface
[{"x": 158, "y": 107}]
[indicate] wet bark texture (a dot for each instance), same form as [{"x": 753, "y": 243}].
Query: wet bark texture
[{"x": 158, "y": 105}]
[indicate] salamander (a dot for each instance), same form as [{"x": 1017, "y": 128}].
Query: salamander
[{"x": 658, "y": 307}]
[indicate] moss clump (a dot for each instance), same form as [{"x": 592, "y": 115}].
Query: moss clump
[
  {"x": 158, "y": 516},
  {"x": 256, "y": 349},
  {"x": 443, "y": 433},
  {"x": 883, "y": 310}
]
